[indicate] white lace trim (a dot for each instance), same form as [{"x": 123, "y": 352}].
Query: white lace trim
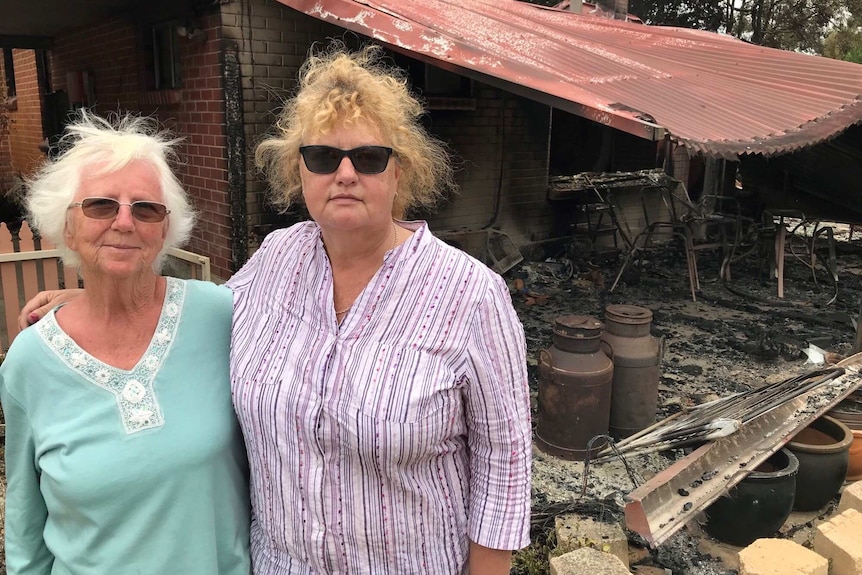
[{"x": 133, "y": 390}]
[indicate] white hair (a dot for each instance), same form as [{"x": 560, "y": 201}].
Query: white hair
[{"x": 111, "y": 144}]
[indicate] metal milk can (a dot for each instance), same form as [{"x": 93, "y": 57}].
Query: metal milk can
[
  {"x": 637, "y": 356},
  {"x": 575, "y": 377}
]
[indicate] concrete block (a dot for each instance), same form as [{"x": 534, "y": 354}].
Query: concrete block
[
  {"x": 575, "y": 532},
  {"x": 852, "y": 497},
  {"x": 840, "y": 541},
  {"x": 587, "y": 560},
  {"x": 780, "y": 557}
]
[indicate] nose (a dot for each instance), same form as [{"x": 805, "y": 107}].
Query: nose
[
  {"x": 124, "y": 219},
  {"x": 346, "y": 172}
]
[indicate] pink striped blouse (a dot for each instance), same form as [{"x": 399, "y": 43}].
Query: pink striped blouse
[{"x": 382, "y": 444}]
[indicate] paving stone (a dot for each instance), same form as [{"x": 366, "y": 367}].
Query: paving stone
[
  {"x": 840, "y": 541},
  {"x": 780, "y": 557},
  {"x": 587, "y": 560},
  {"x": 851, "y": 498},
  {"x": 575, "y": 531}
]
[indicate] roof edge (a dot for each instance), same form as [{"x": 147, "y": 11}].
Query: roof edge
[{"x": 809, "y": 134}]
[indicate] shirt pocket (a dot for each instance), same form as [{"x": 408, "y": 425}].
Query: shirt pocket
[{"x": 404, "y": 386}]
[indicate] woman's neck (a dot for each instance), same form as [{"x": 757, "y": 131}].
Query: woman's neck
[
  {"x": 348, "y": 250},
  {"x": 112, "y": 297}
]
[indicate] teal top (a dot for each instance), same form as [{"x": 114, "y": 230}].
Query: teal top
[{"x": 139, "y": 472}]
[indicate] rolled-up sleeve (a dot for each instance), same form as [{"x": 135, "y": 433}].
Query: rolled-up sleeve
[{"x": 498, "y": 420}]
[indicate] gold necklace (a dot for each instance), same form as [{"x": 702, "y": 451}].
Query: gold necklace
[{"x": 394, "y": 243}]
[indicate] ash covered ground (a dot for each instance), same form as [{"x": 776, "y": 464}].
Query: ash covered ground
[{"x": 736, "y": 336}]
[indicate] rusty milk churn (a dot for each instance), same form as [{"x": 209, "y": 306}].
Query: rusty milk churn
[
  {"x": 575, "y": 377},
  {"x": 637, "y": 356}
]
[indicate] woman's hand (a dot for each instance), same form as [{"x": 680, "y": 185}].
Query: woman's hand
[{"x": 42, "y": 303}]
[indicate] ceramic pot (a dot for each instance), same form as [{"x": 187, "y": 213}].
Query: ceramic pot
[
  {"x": 758, "y": 505},
  {"x": 854, "y": 464},
  {"x": 849, "y": 411},
  {"x": 823, "y": 452}
]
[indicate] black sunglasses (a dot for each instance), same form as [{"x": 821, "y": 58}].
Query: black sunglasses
[
  {"x": 326, "y": 159},
  {"x": 107, "y": 208}
]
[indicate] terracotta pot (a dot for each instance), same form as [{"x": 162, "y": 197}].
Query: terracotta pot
[
  {"x": 822, "y": 449},
  {"x": 854, "y": 465},
  {"x": 758, "y": 505}
]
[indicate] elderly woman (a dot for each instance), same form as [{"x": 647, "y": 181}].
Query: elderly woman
[
  {"x": 123, "y": 454},
  {"x": 379, "y": 374}
]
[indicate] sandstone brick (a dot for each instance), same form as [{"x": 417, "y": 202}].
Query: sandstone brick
[
  {"x": 851, "y": 498},
  {"x": 575, "y": 532},
  {"x": 780, "y": 557},
  {"x": 840, "y": 541},
  {"x": 588, "y": 560}
]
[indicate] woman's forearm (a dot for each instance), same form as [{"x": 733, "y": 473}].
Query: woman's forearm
[{"x": 487, "y": 561}]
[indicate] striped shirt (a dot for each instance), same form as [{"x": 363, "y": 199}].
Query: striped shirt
[{"x": 382, "y": 444}]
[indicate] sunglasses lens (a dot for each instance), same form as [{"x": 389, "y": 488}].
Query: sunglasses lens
[
  {"x": 321, "y": 159},
  {"x": 150, "y": 212},
  {"x": 100, "y": 208},
  {"x": 107, "y": 208},
  {"x": 326, "y": 159},
  {"x": 370, "y": 159}
]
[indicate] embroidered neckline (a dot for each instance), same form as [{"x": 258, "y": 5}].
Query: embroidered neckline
[{"x": 133, "y": 390}]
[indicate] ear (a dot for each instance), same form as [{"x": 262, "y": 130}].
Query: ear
[{"x": 69, "y": 235}]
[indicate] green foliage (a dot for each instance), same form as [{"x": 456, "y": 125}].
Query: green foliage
[
  {"x": 845, "y": 42},
  {"x": 787, "y": 24},
  {"x": 699, "y": 14},
  {"x": 533, "y": 560}
]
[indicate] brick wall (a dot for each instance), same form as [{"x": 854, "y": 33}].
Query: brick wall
[
  {"x": 501, "y": 148},
  {"x": 25, "y": 128},
  {"x": 5, "y": 149},
  {"x": 272, "y": 42},
  {"x": 199, "y": 117},
  {"x": 111, "y": 53},
  {"x": 108, "y": 53}
]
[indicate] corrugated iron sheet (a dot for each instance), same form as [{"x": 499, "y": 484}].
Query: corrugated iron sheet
[{"x": 712, "y": 93}]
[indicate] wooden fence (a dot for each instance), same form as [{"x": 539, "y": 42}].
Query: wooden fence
[{"x": 29, "y": 265}]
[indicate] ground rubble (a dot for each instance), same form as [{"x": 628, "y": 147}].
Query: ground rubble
[{"x": 735, "y": 337}]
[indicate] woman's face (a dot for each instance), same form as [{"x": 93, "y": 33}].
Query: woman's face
[
  {"x": 120, "y": 246},
  {"x": 347, "y": 200}
]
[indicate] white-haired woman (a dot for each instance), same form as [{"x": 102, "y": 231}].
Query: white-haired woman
[{"x": 123, "y": 453}]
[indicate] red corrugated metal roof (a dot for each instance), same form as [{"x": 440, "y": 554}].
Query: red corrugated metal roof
[{"x": 713, "y": 93}]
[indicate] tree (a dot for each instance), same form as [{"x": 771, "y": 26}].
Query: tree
[
  {"x": 787, "y": 24},
  {"x": 699, "y": 14},
  {"x": 845, "y": 42}
]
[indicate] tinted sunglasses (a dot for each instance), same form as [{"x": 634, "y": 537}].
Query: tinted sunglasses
[
  {"x": 107, "y": 208},
  {"x": 326, "y": 159}
]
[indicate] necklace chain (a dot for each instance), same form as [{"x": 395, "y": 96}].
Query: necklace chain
[{"x": 394, "y": 243}]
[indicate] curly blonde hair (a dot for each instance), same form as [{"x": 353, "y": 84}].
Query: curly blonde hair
[{"x": 340, "y": 87}]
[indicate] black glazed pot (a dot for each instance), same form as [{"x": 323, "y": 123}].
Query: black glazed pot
[
  {"x": 823, "y": 450},
  {"x": 758, "y": 505}
]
